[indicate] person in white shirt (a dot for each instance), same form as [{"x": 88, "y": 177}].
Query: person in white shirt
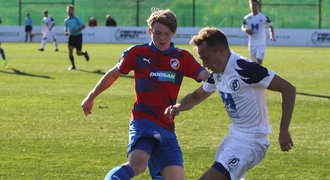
[
  {"x": 241, "y": 85},
  {"x": 48, "y": 28},
  {"x": 254, "y": 25}
]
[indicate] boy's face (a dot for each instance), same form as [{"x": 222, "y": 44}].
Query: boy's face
[
  {"x": 211, "y": 57},
  {"x": 161, "y": 36},
  {"x": 70, "y": 11},
  {"x": 254, "y": 6}
]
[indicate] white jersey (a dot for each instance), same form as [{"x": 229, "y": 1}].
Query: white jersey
[
  {"x": 242, "y": 89},
  {"x": 49, "y": 21},
  {"x": 257, "y": 25}
]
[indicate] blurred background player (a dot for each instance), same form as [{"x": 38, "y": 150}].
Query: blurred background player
[
  {"x": 159, "y": 68},
  {"x": 48, "y": 28},
  {"x": 2, "y": 52},
  {"x": 254, "y": 25},
  {"x": 28, "y": 27},
  {"x": 73, "y": 27}
]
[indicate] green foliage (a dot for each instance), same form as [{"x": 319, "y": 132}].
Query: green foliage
[{"x": 44, "y": 134}]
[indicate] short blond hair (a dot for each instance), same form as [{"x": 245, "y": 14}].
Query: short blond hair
[{"x": 166, "y": 17}]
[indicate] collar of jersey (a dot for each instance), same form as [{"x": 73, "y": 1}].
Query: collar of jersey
[{"x": 166, "y": 52}]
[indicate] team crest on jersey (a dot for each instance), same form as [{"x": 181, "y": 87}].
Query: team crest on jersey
[
  {"x": 235, "y": 85},
  {"x": 232, "y": 162},
  {"x": 175, "y": 63},
  {"x": 157, "y": 135},
  {"x": 218, "y": 78}
]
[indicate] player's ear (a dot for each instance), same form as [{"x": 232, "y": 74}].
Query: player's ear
[
  {"x": 150, "y": 31},
  {"x": 174, "y": 33}
]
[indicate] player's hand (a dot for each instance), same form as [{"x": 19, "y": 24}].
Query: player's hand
[
  {"x": 87, "y": 106},
  {"x": 285, "y": 140},
  {"x": 172, "y": 111},
  {"x": 272, "y": 39},
  {"x": 249, "y": 32}
]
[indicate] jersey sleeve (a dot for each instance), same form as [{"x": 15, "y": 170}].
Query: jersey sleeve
[
  {"x": 209, "y": 85},
  {"x": 81, "y": 23},
  {"x": 192, "y": 67},
  {"x": 126, "y": 62},
  {"x": 268, "y": 21},
  {"x": 254, "y": 74}
]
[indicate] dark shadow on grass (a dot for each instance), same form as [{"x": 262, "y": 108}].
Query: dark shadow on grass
[
  {"x": 18, "y": 72},
  {"x": 314, "y": 95},
  {"x": 99, "y": 71}
]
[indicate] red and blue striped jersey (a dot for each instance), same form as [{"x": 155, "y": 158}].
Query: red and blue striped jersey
[{"x": 157, "y": 79}]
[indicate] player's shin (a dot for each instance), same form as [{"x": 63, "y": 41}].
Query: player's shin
[{"x": 123, "y": 172}]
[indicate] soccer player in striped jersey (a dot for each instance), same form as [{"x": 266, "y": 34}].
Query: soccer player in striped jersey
[
  {"x": 159, "y": 68},
  {"x": 241, "y": 85},
  {"x": 73, "y": 28},
  {"x": 254, "y": 25}
]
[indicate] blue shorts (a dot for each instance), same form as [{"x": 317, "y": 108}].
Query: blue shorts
[{"x": 162, "y": 145}]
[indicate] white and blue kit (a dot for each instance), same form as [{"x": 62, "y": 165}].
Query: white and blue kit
[
  {"x": 242, "y": 90},
  {"x": 257, "y": 42}
]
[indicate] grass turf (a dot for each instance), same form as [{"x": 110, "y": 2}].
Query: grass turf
[{"x": 44, "y": 134}]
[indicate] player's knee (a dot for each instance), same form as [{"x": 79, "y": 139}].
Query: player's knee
[
  {"x": 139, "y": 168},
  {"x": 79, "y": 53}
]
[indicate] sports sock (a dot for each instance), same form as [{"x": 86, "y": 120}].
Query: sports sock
[
  {"x": 43, "y": 43},
  {"x": 2, "y": 52},
  {"x": 55, "y": 44},
  {"x": 72, "y": 61},
  {"x": 123, "y": 172}
]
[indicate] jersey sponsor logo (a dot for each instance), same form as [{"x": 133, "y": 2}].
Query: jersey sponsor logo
[
  {"x": 254, "y": 27},
  {"x": 164, "y": 76},
  {"x": 175, "y": 63},
  {"x": 230, "y": 105},
  {"x": 235, "y": 85},
  {"x": 232, "y": 162}
]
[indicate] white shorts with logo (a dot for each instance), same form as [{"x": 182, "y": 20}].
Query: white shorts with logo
[
  {"x": 257, "y": 52},
  {"x": 238, "y": 155}
]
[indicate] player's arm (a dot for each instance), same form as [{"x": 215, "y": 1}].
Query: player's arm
[
  {"x": 52, "y": 24},
  {"x": 188, "y": 102},
  {"x": 79, "y": 29},
  {"x": 288, "y": 93},
  {"x": 245, "y": 29},
  {"x": 203, "y": 75},
  {"x": 104, "y": 83},
  {"x": 271, "y": 33}
]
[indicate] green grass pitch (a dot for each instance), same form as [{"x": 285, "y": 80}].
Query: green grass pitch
[{"x": 44, "y": 135}]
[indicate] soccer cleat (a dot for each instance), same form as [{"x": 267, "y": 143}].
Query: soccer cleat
[
  {"x": 72, "y": 68},
  {"x": 41, "y": 49},
  {"x": 86, "y": 56},
  {"x": 56, "y": 50},
  {"x": 5, "y": 64}
]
